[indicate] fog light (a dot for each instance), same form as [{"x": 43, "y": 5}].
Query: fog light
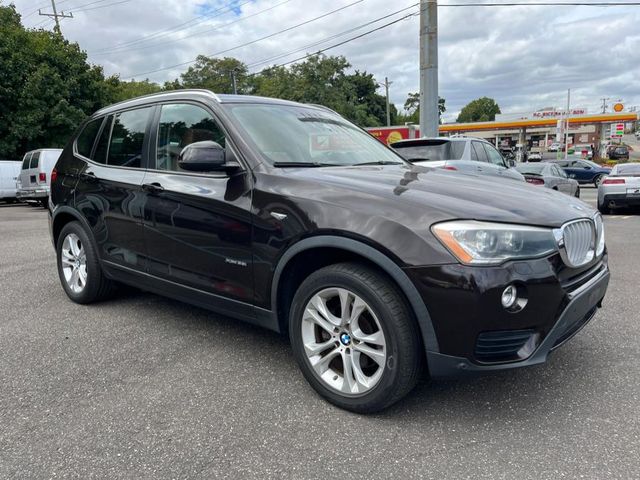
[{"x": 509, "y": 297}]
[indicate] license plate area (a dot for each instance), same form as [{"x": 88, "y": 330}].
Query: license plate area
[{"x": 633, "y": 192}]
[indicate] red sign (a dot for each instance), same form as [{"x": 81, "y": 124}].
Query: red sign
[{"x": 393, "y": 134}]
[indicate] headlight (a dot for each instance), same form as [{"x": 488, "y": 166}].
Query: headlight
[
  {"x": 483, "y": 243},
  {"x": 599, "y": 234}
]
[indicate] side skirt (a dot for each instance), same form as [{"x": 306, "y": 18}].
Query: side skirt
[{"x": 225, "y": 306}]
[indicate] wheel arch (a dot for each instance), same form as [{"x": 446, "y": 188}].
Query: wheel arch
[
  {"x": 349, "y": 249},
  {"x": 64, "y": 215}
]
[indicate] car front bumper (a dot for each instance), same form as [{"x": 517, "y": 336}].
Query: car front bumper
[{"x": 466, "y": 310}]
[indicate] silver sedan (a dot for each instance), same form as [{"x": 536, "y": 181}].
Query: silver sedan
[
  {"x": 549, "y": 175},
  {"x": 621, "y": 188}
]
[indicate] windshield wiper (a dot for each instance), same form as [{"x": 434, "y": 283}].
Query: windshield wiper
[
  {"x": 379, "y": 162},
  {"x": 304, "y": 164}
]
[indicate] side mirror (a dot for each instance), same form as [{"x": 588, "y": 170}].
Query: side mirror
[
  {"x": 510, "y": 163},
  {"x": 206, "y": 156}
]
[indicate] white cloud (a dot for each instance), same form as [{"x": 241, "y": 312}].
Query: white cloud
[{"x": 524, "y": 57}]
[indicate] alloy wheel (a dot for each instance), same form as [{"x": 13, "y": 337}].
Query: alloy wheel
[
  {"x": 343, "y": 341},
  {"x": 74, "y": 263}
]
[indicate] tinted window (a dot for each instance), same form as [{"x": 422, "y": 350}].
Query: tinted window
[
  {"x": 431, "y": 150},
  {"x": 85, "y": 141},
  {"x": 181, "y": 125},
  {"x": 494, "y": 155},
  {"x": 102, "y": 147},
  {"x": 631, "y": 169},
  {"x": 127, "y": 137},
  {"x": 27, "y": 159},
  {"x": 480, "y": 153},
  {"x": 35, "y": 159}
]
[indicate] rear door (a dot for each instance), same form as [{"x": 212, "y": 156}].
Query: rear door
[
  {"x": 109, "y": 192},
  {"x": 197, "y": 225},
  {"x": 29, "y": 175},
  {"x": 24, "y": 171}
]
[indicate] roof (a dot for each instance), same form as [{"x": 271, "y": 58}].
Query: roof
[{"x": 201, "y": 94}]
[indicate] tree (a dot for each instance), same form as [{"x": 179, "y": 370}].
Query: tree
[
  {"x": 216, "y": 74},
  {"x": 117, "y": 90},
  {"x": 46, "y": 87},
  {"x": 480, "y": 110},
  {"x": 325, "y": 80},
  {"x": 412, "y": 108}
]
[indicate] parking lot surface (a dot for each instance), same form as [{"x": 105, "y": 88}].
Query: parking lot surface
[{"x": 145, "y": 387}]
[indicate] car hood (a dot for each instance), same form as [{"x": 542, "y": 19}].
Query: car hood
[{"x": 430, "y": 195}]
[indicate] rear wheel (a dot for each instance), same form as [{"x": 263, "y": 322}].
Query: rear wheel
[
  {"x": 354, "y": 338},
  {"x": 78, "y": 266},
  {"x": 598, "y": 180}
]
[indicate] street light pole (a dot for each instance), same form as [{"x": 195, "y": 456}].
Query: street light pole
[
  {"x": 566, "y": 127},
  {"x": 429, "y": 118}
]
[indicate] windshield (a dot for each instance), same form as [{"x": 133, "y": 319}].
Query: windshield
[
  {"x": 629, "y": 170},
  {"x": 306, "y": 136},
  {"x": 535, "y": 168},
  {"x": 431, "y": 150}
]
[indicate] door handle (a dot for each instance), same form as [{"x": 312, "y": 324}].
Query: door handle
[{"x": 154, "y": 187}]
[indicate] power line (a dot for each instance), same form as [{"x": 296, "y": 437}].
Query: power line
[
  {"x": 339, "y": 43},
  {"x": 327, "y": 39},
  {"x": 101, "y": 6},
  {"x": 164, "y": 32},
  {"x": 306, "y": 22},
  {"x": 171, "y": 42}
]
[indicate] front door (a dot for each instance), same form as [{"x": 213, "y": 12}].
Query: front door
[{"x": 197, "y": 225}]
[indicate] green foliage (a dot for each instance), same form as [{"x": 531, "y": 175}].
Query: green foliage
[
  {"x": 46, "y": 87},
  {"x": 480, "y": 110},
  {"x": 412, "y": 109},
  {"x": 119, "y": 90},
  {"x": 216, "y": 74}
]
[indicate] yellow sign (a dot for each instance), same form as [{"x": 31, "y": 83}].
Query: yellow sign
[
  {"x": 394, "y": 136},
  {"x": 618, "y": 107}
]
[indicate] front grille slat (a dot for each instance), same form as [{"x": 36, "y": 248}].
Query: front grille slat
[{"x": 579, "y": 242}]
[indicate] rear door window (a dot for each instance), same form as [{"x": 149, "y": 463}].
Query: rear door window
[
  {"x": 493, "y": 155},
  {"x": 127, "y": 138},
  {"x": 26, "y": 160},
  {"x": 86, "y": 139},
  {"x": 102, "y": 145},
  {"x": 35, "y": 160}
]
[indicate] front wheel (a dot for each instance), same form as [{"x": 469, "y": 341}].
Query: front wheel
[
  {"x": 78, "y": 266},
  {"x": 603, "y": 209},
  {"x": 354, "y": 337}
]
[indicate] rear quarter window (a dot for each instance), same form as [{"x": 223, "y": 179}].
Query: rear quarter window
[
  {"x": 26, "y": 160},
  {"x": 86, "y": 139}
]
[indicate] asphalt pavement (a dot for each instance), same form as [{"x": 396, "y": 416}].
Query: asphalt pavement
[{"x": 146, "y": 387}]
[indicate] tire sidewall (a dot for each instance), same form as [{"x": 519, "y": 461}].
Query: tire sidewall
[
  {"x": 374, "y": 399},
  {"x": 90, "y": 290}
]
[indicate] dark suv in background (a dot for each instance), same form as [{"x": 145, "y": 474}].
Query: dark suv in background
[{"x": 289, "y": 217}]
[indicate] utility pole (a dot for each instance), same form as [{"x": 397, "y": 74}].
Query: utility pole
[
  {"x": 386, "y": 87},
  {"x": 233, "y": 80},
  {"x": 429, "y": 118},
  {"x": 55, "y": 16},
  {"x": 604, "y": 105},
  {"x": 566, "y": 129}
]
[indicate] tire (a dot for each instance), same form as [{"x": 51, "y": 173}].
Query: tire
[
  {"x": 385, "y": 319},
  {"x": 597, "y": 180},
  {"x": 577, "y": 194},
  {"x": 84, "y": 288}
]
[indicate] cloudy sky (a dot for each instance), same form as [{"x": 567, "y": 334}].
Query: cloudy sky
[{"x": 525, "y": 57}]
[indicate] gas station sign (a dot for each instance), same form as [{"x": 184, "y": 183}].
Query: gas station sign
[{"x": 617, "y": 129}]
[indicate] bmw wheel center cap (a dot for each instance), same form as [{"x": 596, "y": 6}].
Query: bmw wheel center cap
[{"x": 345, "y": 339}]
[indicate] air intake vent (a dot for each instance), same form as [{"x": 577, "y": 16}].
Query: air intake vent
[{"x": 505, "y": 345}]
